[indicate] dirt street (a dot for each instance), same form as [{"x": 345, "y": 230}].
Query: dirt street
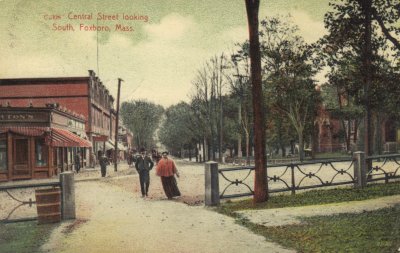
[{"x": 112, "y": 217}]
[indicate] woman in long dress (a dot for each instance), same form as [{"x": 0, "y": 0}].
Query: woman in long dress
[{"x": 166, "y": 169}]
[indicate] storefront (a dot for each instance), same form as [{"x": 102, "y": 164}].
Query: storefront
[{"x": 40, "y": 142}]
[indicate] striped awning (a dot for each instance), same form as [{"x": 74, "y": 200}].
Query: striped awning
[
  {"x": 64, "y": 138},
  {"x": 55, "y": 137}
]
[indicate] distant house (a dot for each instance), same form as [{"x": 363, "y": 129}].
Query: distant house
[{"x": 329, "y": 132}]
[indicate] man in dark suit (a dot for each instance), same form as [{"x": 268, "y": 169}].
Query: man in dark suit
[
  {"x": 143, "y": 166},
  {"x": 77, "y": 159},
  {"x": 103, "y": 165}
]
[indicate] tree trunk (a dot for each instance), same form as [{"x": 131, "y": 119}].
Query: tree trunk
[
  {"x": 260, "y": 181},
  {"x": 248, "y": 149},
  {"x": 280, "y": 138},
  {"x": 204, "y": 149},
  {"x": 197, "y": 154},
  {"x": 283, "y": 149},
  {"x": 301, "y": 146},
  {"x": 348, "y": 135},
  {"x": 239, "y": 149},
  {"x": 378, "y": 134},
  {"x": 367, "y": 64},
  {"x": 356, "y": 125},
  {"x": 313, "y": 138},
  {"x": 221, "y": 118}
]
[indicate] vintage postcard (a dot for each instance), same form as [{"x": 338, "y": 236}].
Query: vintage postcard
[{"x": 199, "y": 126}]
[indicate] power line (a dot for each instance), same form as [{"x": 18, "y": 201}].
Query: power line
[{"x": 129, "y": 95}]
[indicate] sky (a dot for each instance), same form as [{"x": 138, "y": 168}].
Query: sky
[{"x": 157, "y": 49}]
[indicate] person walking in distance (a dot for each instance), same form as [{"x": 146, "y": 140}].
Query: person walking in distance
[
  {"x": 166, "y": 169},
  {"x": 103, "y": 165},
  {"x": 143, "y": 166},
  {"x": 77, "y": 161}
]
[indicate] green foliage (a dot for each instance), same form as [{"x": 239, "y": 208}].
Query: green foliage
[
  {"x": 177, "y": 129},
  {"x": 142, "y": 118},
  {"x": 354, "y": 64},
  {"x": 342, "y": 50},
  {"x": 289, "y": 66},
  {"x": 232, "y": 127}
]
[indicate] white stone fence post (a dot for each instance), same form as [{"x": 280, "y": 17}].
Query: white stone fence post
[
  {"x": 67, "y": 195},
  {"x": 360, "y": 169}
]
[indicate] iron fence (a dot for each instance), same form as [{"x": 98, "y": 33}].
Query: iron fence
[
  {"x": 291, "y": 177},
  {"x": 384, "y": 167}
]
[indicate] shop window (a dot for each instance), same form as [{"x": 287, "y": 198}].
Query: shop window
[
  {"x": 3, "y": 155},
  {"x": 21, "y": 151},
  {"x": 41, "y": 153}
]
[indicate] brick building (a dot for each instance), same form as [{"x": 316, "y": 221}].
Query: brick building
[
  {"x": 39, "y": 142},
  {"x": 329, "y": 134},
  {"x": 85, "y": 95}
]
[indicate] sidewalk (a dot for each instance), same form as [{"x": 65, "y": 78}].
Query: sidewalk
[
  {"x": 90, "y": 174},
  {"x": 110, "y": 219}
]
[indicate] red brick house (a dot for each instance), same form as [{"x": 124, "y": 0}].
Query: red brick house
[
  {"x": 85, "y": 95},
  {"x": 39, "y": 142},
  {"x": 328, "y": 134}
]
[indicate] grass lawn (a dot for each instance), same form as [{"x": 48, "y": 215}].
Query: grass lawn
[
  {"x": 375, "y": 231},
  {"x": 315, "y": 197},
  {"x": 24, "y": 237}
]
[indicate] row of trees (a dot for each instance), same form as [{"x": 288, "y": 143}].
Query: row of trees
[
  {"x": 220, "y": 111},
  {"x": 361, "y": 50},
  {"x": 363, "y": 76}
]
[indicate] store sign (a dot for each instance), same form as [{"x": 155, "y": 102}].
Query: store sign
[{"x": 22, "y": 117}]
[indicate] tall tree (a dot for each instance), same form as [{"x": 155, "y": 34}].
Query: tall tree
[
  {"x": 260, "y": 159},
  {"x": 142, "y": 118},
  {"x": 177, "y": 131},
  {"x": 290, "y": 67},
  {"x": 364, "y": 29},
  {"x": 207, "y": 95},
  {"x": 239, "y": 80}
]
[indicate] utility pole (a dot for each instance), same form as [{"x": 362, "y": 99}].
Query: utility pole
[{"x": 116, "y": 126}]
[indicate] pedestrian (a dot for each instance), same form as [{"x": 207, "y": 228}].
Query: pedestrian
[
  {"x": 77, "y": 159},
  {"x": 103, "y": 165},
  {"x": 166, "y": 169},
  {"x": 93, "y": 159},
  {"x": 143, "y": 166}
]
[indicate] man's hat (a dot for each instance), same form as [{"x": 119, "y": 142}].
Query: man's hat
[{"x": 165, "y": 153}]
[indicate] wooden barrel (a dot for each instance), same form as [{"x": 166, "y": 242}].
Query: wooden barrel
[{"x": 48, "y": 203}]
